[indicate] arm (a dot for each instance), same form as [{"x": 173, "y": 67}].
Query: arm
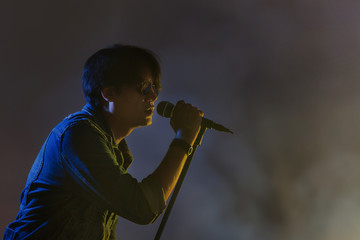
[
  {"x": 90, "y": 162},
  {"x": 186, "y": 122}
]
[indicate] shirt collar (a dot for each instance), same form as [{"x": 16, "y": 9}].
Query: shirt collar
[{"x": 100, "y": 120}]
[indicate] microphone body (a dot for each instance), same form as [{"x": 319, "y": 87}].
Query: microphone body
[{"x": 166, "y": 109}]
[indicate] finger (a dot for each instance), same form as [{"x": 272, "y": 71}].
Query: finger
[
  {"x": 178, "y": 105},
  {"x": 180, "y": 102}
]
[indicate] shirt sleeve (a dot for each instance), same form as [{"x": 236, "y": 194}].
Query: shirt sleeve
[
  {"x": 152, "y": 189},
  {"x": 91, "y": 162}
]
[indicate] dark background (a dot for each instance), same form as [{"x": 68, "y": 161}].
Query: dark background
[{"x": 283, "y": 75}]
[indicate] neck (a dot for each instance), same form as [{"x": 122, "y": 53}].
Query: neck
[{"x": 120, "y": 130}]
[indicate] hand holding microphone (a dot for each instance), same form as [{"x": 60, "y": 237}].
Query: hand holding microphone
[
  {"x": 186, "y": 121},
  {"x": 167, "y": 109}
]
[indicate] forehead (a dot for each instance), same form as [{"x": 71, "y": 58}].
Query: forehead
[
  {"x": 144, "y": 74},
  {"x": 137, "y": 72}
]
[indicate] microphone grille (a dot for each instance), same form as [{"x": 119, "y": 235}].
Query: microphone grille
[{"x": 165, "y": 109}]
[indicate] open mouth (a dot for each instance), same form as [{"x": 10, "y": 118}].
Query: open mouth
[{"x": 150, "y": 110}]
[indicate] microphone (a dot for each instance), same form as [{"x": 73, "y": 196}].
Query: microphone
[{"x": 166, "y": 109}]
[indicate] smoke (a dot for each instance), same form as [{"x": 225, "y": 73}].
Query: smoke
[{"x": 282, "y": 75}]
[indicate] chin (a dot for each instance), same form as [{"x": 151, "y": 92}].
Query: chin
[{"x": 148, "y": 122}]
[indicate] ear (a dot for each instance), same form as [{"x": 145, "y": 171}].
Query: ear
[{"x": 108, "y": 94}]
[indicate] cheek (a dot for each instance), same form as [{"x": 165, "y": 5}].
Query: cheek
[
  {"x": 130, "y": 103},
  {"x": 133, "y": 106}
]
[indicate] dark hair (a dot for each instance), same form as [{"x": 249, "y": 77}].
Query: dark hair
[{"x": 115, "y": 66}]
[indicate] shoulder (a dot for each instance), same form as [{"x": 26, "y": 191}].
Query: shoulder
[{"x": 80, "y": 124}]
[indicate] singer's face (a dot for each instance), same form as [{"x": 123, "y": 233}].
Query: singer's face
[{"x": 134, "y": 103}]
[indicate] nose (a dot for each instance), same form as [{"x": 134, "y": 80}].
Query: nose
[{"x": 152, "y": 96}]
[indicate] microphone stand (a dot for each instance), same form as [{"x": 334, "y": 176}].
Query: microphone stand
[{"x": 179, "y": 183}]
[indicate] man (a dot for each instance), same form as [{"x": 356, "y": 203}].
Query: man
[{"x": 78, "y": 184}]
